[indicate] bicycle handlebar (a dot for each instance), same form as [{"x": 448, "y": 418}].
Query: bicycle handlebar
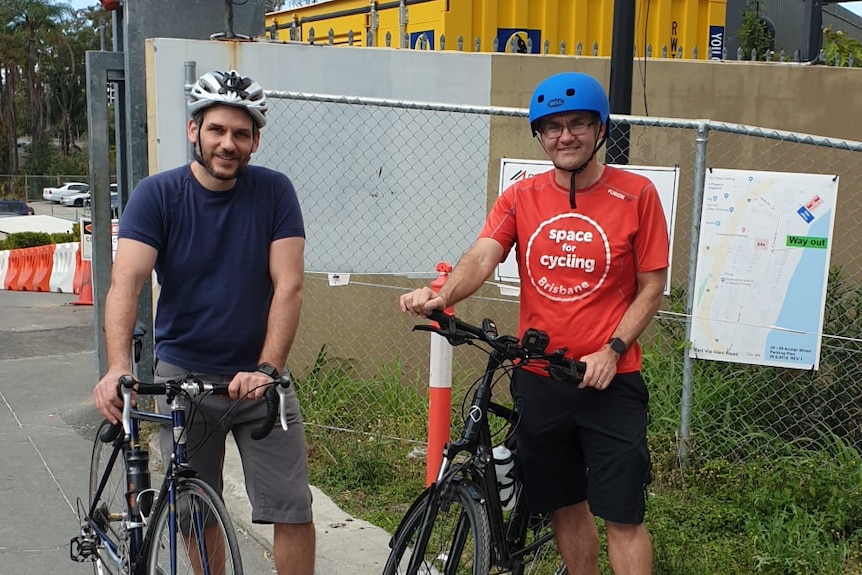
[
  {"x": 193, "y": 387},
  {"x": 531, "y": 347},
  {"x": 277, "y": 390}
]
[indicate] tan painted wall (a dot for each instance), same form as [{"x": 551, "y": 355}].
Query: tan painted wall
[{"x": 821, "y": 100}]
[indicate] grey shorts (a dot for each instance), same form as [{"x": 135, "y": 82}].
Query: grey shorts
[{"x": 275, "y": 468}]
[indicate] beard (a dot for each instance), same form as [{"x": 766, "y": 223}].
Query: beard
[{"x": 206, "y": 160}]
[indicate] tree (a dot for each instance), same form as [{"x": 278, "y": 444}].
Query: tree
[
  {"x": 65, "y": 79},
  {"x": 38, "y": 20},
  {"x": 12, "y": 53},
  {"x": 755, "y": 34},
  {"x": 841, "y": 50}
]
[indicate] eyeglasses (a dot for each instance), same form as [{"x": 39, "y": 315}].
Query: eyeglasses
[{"x": 553, "y": 130}]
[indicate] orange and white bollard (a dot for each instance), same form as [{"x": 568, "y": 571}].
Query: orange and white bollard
[{"x": 439, "y": 389}]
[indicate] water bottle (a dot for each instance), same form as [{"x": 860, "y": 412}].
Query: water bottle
[
  {"x": 138, "y": 480},
  {"x": 504, "y": 468}
]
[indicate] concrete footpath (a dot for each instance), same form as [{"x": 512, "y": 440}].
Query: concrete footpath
[
  {"x": 345, "y": 544},
  {"x": 45, "y": 331}
]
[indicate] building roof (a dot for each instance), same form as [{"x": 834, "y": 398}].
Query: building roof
[{"x": 43, "y": 223}]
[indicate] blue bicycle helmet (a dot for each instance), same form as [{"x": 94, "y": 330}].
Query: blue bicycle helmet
[{"x": 568, "y": 92}]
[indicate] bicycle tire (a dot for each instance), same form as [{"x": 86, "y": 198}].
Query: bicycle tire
[
  {"x": 111, "y": 510},
  {"x": 198, "y": 507},
  {"x": 545, "y": 554},
  {"x": 459, "y": 543}
]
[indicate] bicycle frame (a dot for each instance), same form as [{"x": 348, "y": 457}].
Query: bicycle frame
[
  {"x": 124, "y": 444},
  {"x": 508, "y": 545}
]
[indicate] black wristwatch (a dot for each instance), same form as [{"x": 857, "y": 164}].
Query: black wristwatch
[
  {"x": 268, "y": 369},
  {"x": 618, "y": 345}
]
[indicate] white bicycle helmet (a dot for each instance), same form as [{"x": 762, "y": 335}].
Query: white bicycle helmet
[{"x": 231, "y": 89}]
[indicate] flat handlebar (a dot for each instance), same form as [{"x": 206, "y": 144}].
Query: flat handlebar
[{"x": 530, "y": 348}]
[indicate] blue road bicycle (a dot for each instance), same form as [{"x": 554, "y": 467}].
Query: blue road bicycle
[{"x": 181, "y": 527}]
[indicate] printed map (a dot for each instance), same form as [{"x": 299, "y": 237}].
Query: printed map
[{"x": 762, "y": 267}]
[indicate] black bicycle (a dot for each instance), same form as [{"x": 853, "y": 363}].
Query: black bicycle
[
  {"x": 183, "y": 526},
  {"x": 460, "y": 524}
]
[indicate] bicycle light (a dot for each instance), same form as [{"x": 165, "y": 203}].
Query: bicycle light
[{"x": 534, "y": 341}]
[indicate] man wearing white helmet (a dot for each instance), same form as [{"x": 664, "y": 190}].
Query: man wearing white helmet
[
  {"x": 592, "y": 248},
  {"x": 226, "y": 240}
]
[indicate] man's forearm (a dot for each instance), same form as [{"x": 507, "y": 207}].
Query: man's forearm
[
  {"x": 121, "y": 311},
  {"x": 640, "y": 313},
  {"x": 281, "y": 327},
  {"x": 467, "y": 277}
]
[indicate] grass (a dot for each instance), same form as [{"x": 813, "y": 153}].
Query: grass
[{"x": 772, "y": 484}]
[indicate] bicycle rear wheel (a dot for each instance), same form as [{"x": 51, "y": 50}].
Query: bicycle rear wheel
[
  {"x": 205, "y": 539},
  {"x": 459, "y": 541},
  {"x": 111, "y": 511},
  {"x": 543, "y": 554}
]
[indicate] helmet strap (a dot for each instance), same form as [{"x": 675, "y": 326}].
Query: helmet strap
[{"x": 576, "y": 171}]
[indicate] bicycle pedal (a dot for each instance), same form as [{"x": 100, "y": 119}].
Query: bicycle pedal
[{"x": 82, "y": 548}]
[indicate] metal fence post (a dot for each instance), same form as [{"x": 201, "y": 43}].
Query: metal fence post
[
  {"x": 191, "y": 78},
  {"x": 700, "y": 140}
]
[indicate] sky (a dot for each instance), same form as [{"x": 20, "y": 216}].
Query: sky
[{"x": 855, "y": 7}]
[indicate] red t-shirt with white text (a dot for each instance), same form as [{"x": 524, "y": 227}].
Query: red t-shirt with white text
[{"x": 578, "y": 268}]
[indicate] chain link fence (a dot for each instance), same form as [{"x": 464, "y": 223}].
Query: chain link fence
[
  {"x": 29, "y": 188},
  {"x": 390, "y": 188}
]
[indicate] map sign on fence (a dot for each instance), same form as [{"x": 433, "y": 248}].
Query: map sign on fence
[{"x": 762, "y": 267}]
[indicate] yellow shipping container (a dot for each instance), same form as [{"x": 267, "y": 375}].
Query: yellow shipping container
[{"x": 527, "y": 26}]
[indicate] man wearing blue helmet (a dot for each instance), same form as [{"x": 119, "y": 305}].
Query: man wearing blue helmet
[{"x": 592, "y": 248}]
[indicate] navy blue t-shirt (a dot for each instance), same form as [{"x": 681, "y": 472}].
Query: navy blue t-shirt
[{"x": 213, "y": 262}]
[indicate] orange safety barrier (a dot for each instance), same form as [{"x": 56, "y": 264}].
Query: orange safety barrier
[
  {"x": 16, "y": 260},
  {"x": 44, "y": 267},
  {"x": 85, "y": 295},
  {"x": 28, "y": 269}
]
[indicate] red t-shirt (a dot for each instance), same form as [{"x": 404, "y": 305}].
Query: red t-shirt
[{"x": 578, "y": 267}]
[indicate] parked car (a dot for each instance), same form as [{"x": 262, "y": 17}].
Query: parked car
[
  {"x": 115, "y": 203},
  {"x": 57, "y": 194},
  {"x": 15, "y": 208},
  {"x": 83, "y": 198}
]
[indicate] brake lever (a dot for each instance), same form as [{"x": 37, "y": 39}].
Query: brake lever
[
  {"x": 277, "y": 392},
  {"x": 282, "y": 383},
  {"x": 127, "y": 386}
]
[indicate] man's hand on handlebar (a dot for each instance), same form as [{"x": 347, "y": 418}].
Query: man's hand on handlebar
[
  {"x": 421, "y": 301},
  {"x": 601, "y": 369},
  {"x": 249, "y": 385},
  {"x": 107, "y": 397}
]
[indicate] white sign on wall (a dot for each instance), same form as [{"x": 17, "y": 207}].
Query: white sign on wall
[{"x": 665, "y": 180}]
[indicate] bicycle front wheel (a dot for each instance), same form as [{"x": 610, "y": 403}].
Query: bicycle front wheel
[
  {"x": 205, "y": 541},
  {"x": 458, "y": 542}
]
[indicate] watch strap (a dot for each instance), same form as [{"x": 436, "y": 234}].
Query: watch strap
[
  {"x": 268, "y": 369},
  {"x": 618, "y": 345}
]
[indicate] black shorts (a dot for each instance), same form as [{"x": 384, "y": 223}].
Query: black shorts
[{"x": 583, "y": 444}]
